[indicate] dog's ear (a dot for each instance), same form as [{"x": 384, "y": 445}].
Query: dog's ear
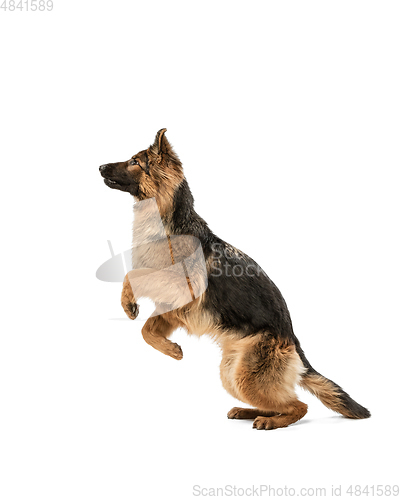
[
  {"x": 161, "y": 148},
  {"x": 161, "y": 141}
]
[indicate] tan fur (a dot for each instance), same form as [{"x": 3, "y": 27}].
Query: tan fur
[
  {"x": 128, "y": 300},
  {"x": 155, "y": 332},
  {"x": 190, "y": 317},
  {"x": 168, "y": 179},
  {"x": 167, "y": 174},
  {"x": 169, "y": 267},
  {"x": 166, "y": 287},
  {"x": 249, "y": 413},
  {"x": 262, "y": 372},
  {"x": 325, "y": 390},
  {"x": 258, "y": 370}
]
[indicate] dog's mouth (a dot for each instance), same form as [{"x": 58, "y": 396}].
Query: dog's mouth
[
  {"x": 115, "y": 181},
  {"x": 121, "y": 186},
  {"x": 116, "y": 184},
  {"x": 110, "y": 182}
]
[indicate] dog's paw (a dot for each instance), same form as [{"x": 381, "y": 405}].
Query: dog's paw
[
  {"x": 175, "y": 351},
  {"x": 236, "y": 412},
  {"x": 262, "y": 423},
  {"x": 132, "y": 310}
]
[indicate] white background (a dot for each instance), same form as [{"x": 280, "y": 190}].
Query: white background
[{"x": 286, "y": 116}]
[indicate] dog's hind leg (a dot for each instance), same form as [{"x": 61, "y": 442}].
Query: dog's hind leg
[
  {"x": 262, "y": 371},
  {"x": 291, "y": 413}
]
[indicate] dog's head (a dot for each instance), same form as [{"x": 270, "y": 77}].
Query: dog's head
[{"x": 155, "y": 172}]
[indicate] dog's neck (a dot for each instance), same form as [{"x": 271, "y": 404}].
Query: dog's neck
[
  {"x": 148, "y": 225},
  {"x": 180, "y": 218}
]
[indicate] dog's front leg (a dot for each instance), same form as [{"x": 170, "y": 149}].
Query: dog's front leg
[
  {"x": 130, "y": 307},
  {"x": 155, "y": 331}
]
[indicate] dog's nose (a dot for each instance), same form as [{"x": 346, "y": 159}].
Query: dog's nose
[{"x": 102, "y": 167}]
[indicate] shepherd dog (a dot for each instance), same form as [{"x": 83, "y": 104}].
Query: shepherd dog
[{"x": 244, "y": 312}]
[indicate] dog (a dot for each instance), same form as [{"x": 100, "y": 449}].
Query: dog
[{"x": 241, "y": 308}]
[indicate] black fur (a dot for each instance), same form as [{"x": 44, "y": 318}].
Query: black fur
[
  {"x": 239, "y": 292},
  {"x": 247, "y": 304},
  {"x": 240, "y": 296}
]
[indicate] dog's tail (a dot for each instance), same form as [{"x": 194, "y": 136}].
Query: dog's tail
[{"x": 329, "y": 393}]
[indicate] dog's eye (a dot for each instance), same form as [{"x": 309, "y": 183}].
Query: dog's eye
[{"x": 133, "y": 162}]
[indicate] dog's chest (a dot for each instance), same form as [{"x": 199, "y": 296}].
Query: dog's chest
[{"x": 150, "y": 243}]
